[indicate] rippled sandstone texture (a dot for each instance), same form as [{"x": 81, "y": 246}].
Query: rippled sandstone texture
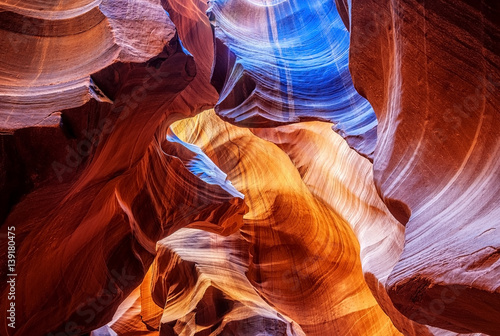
[
  {"x": 431, "y": 72},
  {"x": 293, "y": 267},
  {"x": 286, "y": 62},
  {"x": 123, "y": 226},
  {"x": 89, "y": 180}
]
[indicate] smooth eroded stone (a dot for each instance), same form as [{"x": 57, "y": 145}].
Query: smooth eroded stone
[
  {"x": 91, "y": 184},
  {"x": 295, "y": 251},
  {"x": 431, "y": 72},
  {"x": 279, "y": 62}
]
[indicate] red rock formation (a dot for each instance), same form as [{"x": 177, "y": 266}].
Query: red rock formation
[
  {"x": 104, "y": 187},
  {"x": 431, "y": 72},
  {"x": 196, "y": 34},
  {"x": 293, "y": 268},
  {"x": 123, "y": 228}
]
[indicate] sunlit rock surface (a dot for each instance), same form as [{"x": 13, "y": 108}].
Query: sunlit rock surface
[
  {"x": 431, "y": 72},
  {"x": 293, "y": 268},
  {"x": 343, "y": 179},
  {"x": 287, "y": 61},
  {"x": 88, "y": 184},
  {"x": 255, "y": 219}
]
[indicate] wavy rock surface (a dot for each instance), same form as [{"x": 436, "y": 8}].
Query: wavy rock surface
[
  {"x": 295, "y": 266},
  {"x": 126, "y": 227},
  {"x": 94, "y": 186},
  {"x": 53, "y": 64},
  {"x": 340, "y": 177},
  {"x": 196, "y": 34},
  {"x": 286, "y": 62},
  {"x": 431, "y": 72}
]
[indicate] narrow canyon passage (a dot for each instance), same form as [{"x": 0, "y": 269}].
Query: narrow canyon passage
[{"x": 249, "y": 167}]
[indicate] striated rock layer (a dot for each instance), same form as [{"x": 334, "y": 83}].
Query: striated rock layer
[
  {"x": 431, "y": 72},
  {"x": 292, "y": 270},
  {"x": 344, "y": 180},
  {"x": 285, "y": 62},
  {"x": 88, "y": 183},
  {"x": 128, "y": 224}
]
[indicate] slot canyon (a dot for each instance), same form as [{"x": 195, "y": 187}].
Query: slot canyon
[{"x": 250, "y": 167}]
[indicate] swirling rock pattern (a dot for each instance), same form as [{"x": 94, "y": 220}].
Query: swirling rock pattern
[
  {"x": 105, "y": 186},
  {"x": 344, "y": 180},
  {"x": 53, "y": 64},
  {"x": 293, "y": 267},
  {"x": 286, "y": 62},
  {"x": 431, "y": 72},
  {"x": 127, "y": 225}
]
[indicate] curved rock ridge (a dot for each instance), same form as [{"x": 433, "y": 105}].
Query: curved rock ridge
[
  {"x": 199, "y": 164},
  {"x": 91, "y": 189},
  {"x": 431, "y": 72},
  {"x": 110, "y": 243},
  {"x": 340, "y": 177},
  {"x": 294, "y": 251},
  {"x": 196, "y": 34},
  {"x": 55, "y": 62},
  {"x": 287, "y": 61}
]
